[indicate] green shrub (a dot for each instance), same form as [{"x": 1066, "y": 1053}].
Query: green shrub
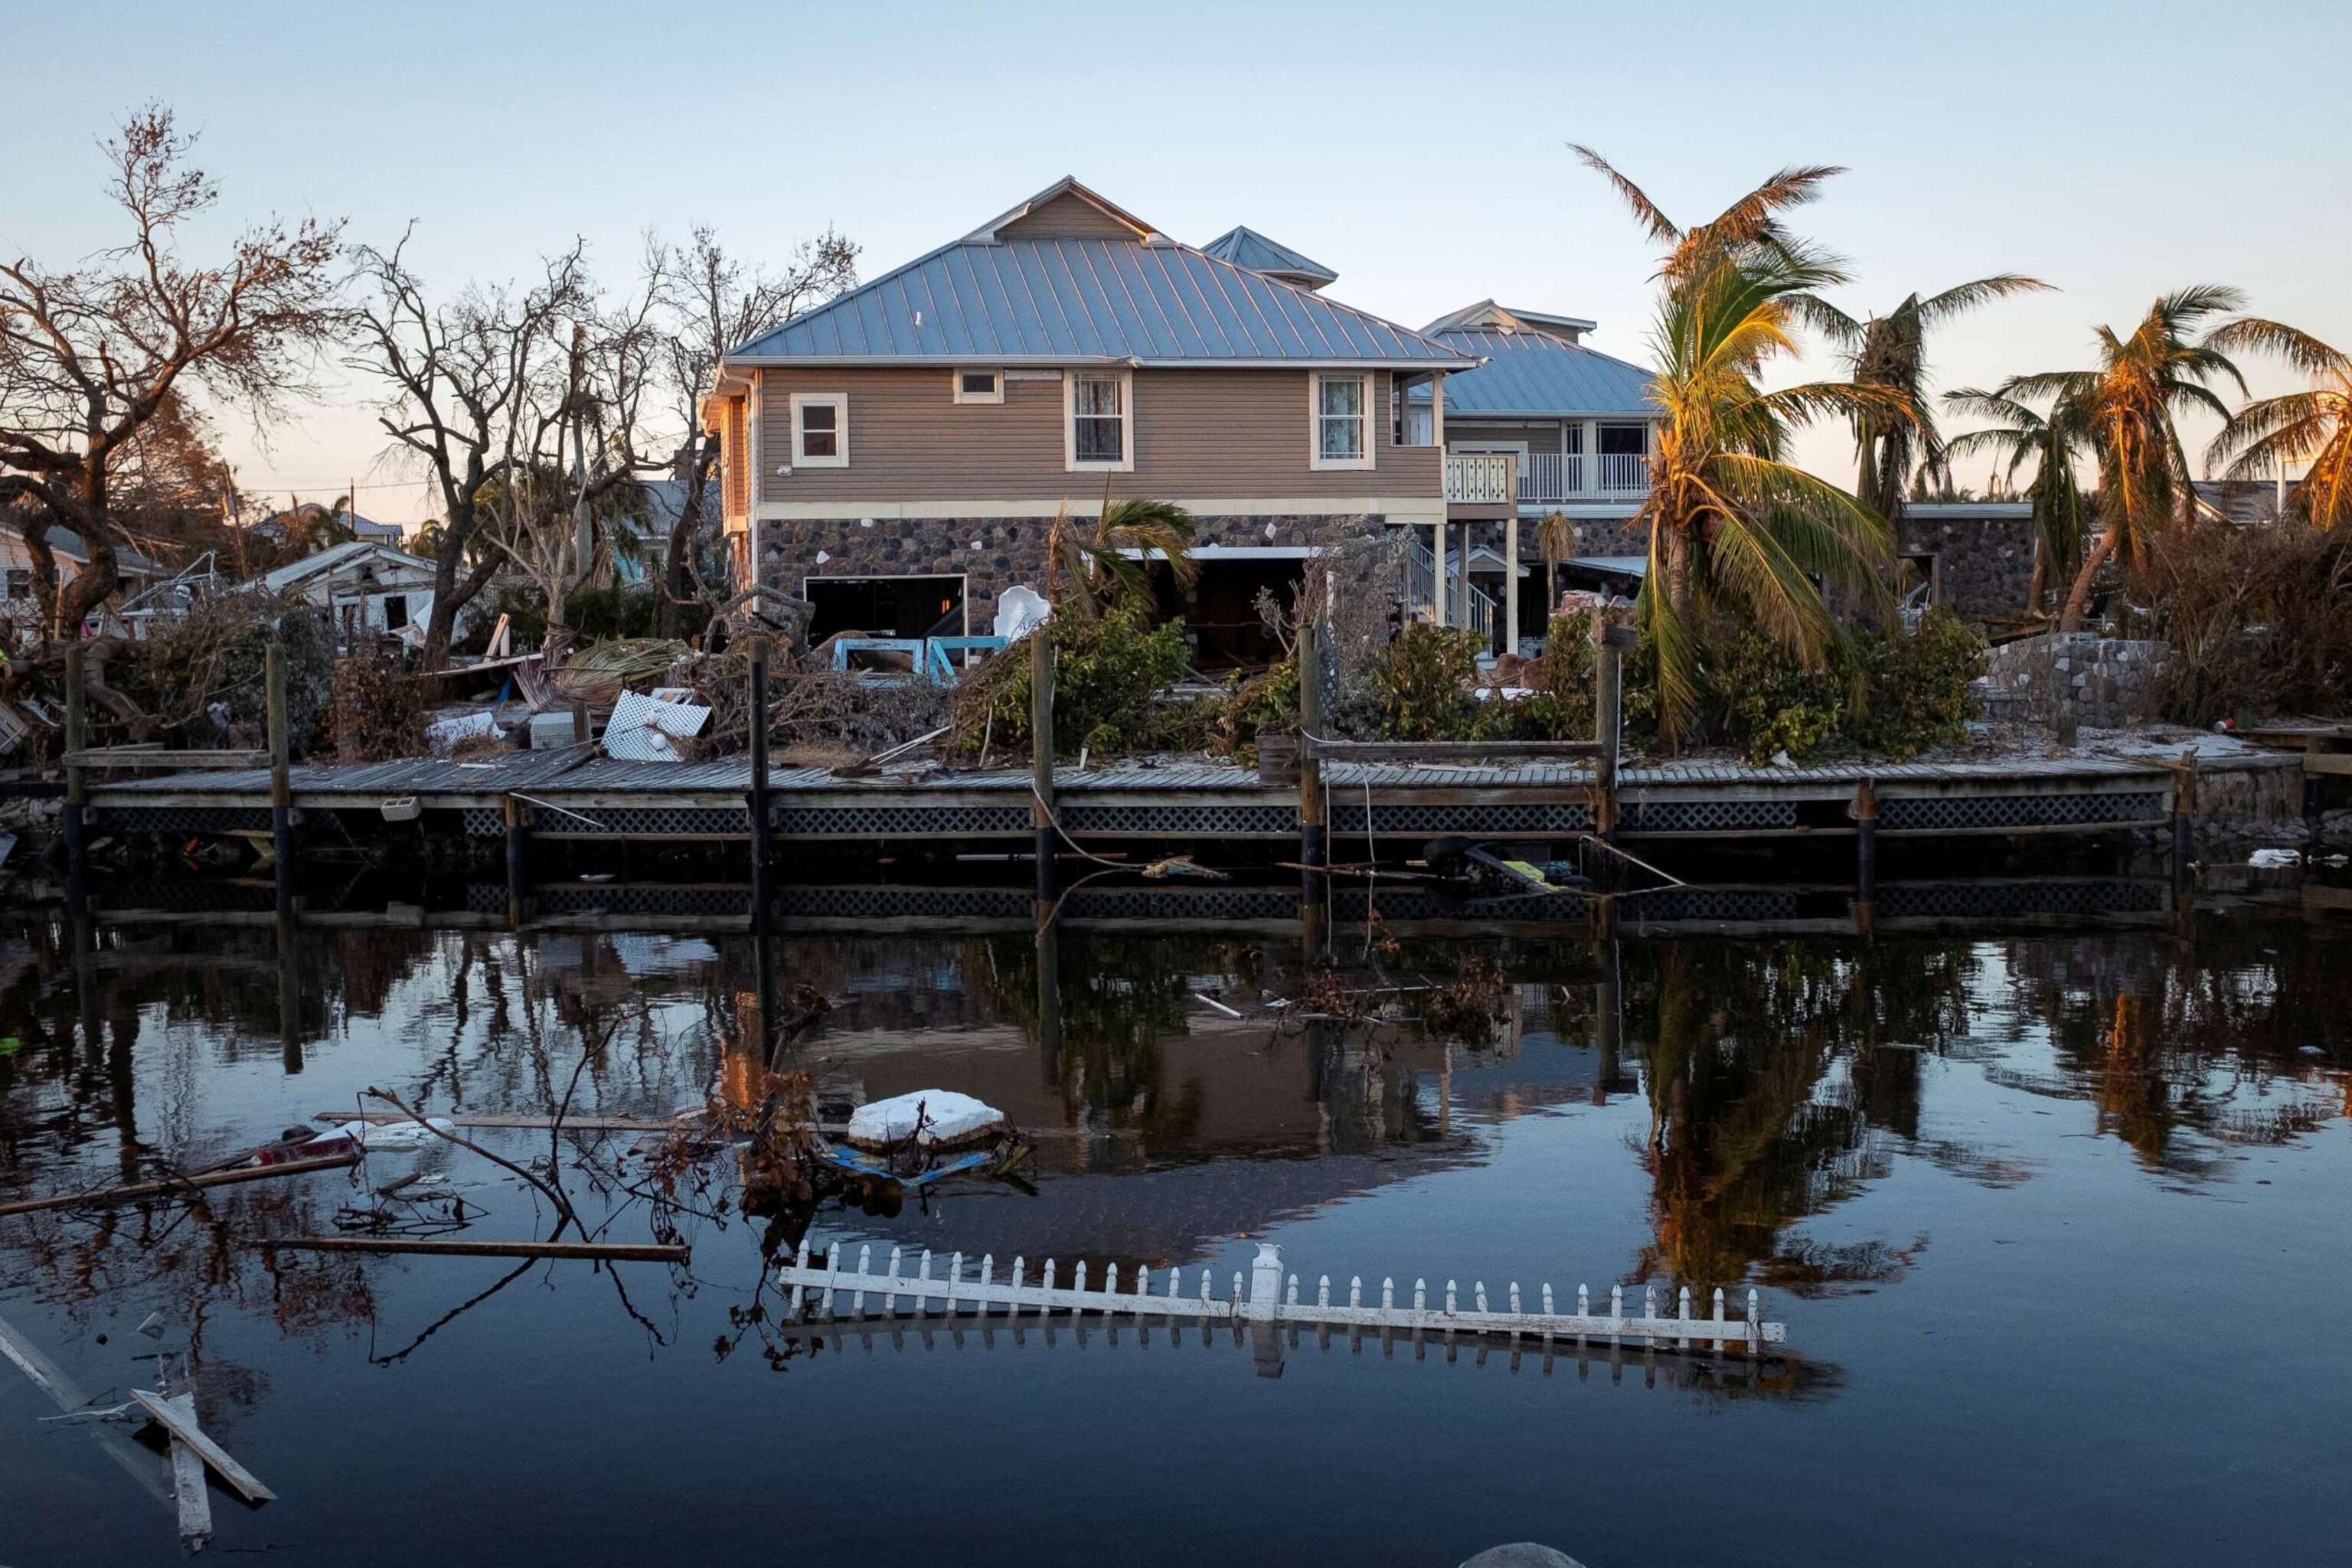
[
  {"x": 1917, "y": 685},
  {"x": 1769, "y": 702},
  {"x": 1107, "y": 676},
  {"x": 1559, "y": 707},
  {"x": 1266, "y": 700},
  {"x": 1421, "y": 684}
]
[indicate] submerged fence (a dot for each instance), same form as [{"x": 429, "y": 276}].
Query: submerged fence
[{"x": 1271, "y": 1298}]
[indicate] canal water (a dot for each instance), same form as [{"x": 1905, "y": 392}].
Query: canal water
[{"x": 2055, "y": 1220}]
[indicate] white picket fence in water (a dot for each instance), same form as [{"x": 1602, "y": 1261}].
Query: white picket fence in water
[{"x": 1272, "y": 1298}]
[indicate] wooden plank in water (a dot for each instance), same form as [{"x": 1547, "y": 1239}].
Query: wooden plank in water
[
  {"x": 183, "y": 1428},
  {"x": 188, "y": 1488},
  {"x": 177, "y": 1184},
  {"x": 439, "y": 1246}
]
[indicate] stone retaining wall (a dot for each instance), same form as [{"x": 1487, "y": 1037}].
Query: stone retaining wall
[{"x": 2113, "y": 682}]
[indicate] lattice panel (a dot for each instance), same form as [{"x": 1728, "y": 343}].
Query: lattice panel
[
  {"x": 488, "y": 822},
  {"x": 1183, "y": 904},
  {"x": 1709, "y": 816},
  {"x": 646, "y": 822},
  {"x": 1971, "y": 901},
  {"x": 184, "y": 818},
  {"x": 899, "y": 821},
  {"x": 1154, "y": 820},
  {"x": 1486, "y": 821},
  {"x": 1678, "y": 904},
  {"x": 1905, "y": 814},
  {"x": 892, "y": 903},
  {"x": 485, "y": 898}
]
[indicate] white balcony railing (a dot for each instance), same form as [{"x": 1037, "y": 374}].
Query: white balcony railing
[
  {"x": 1624, "y": 473},
  {"x": 1544, "y": 477},
  {"x": 1488, "y": 479}
]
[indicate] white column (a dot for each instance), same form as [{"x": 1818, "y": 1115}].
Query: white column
[{"x": 1511, "y": 584}]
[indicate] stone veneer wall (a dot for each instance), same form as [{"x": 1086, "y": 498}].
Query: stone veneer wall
[
  {"x": 990, "y": 553},
  {"x": 1984, "y": 565},
  {"x": 2114, "y": 681}
]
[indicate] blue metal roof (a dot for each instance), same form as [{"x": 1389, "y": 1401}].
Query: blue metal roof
[
  {"x": 1538, "y": 374},
  {"x": 1244, "y": 246},
  {"x": 1072, "y": 300}
]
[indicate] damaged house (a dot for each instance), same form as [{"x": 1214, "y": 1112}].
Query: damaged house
[{"x": 897, "y": 455}]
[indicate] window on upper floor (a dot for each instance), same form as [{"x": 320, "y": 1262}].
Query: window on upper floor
[
  {"x": 1342, "y": 421},
  {"x": 1100, "y": 408},
  {"x": 821, "y": 430},
  {"x": 980, "y": 386}
]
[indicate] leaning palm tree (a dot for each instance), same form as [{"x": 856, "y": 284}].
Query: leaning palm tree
[
  {"x": 1111, "y": 566},
  {"x": 2314, "y": 426},
  {"x": 2050, "y": 444},
  {"x": 1891, "y": 352},
  {"x": 2127, "y": 404},
  {"x": 1736, "y": 529}
]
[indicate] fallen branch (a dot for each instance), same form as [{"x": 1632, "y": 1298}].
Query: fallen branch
[
  {"x": 596, "y": 1251},
  {"x": 138, "y": 1190},
  {"x": 535, "y": 1124},
  {"x": 554, "y": 1197}
]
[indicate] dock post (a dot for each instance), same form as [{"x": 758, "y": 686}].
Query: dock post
[
  {"x": 518, "y": 860},
  {"x": 2184, "y": 813},
  {"x": 1609, "y": 642},
  {"x": 1041, "y": 758},
  {"x": 282, "y": 784},
  {"x": 77, "y": 783},
  {"x": 758, "y": 799},
  {"x": 289, "y": 995},
  {"x": 2315, "y": 811},
  {"x": 1314, "y": 832},
  {"x": 1864, "y": 812}
]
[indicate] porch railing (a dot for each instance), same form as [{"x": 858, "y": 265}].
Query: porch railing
[
  {"x": 1423, "y": 591},
  {"x": 1546, "y": 476},
  {"x": 1624, "y": 473}
]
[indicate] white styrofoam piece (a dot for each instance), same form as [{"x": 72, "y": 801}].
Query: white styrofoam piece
[
  {"x": 948, "y": 1117},
  {"x": 390, "y": 1134},
  {"x": 1020, "y": 610}
]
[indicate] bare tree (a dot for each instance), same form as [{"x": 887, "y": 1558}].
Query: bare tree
[
  {"x": 94, "y": 355},
  {"x": 711, "y": 305},
  {"x": 468, "y": 395}
]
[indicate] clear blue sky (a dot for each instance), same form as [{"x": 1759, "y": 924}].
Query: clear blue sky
[{"x": 1417, "y": 148}]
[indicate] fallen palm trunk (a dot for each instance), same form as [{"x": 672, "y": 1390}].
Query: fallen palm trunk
[
  {"x": 596, "y": 1251},
  {"x": 138, "y": 1190}
]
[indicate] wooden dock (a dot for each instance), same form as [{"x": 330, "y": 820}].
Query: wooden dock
[{"x": 579, "y": 795}]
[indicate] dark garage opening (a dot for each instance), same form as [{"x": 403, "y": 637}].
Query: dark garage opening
[
  {"x": 886, "y": 607},
  {"x": 1223, "y": 615}
]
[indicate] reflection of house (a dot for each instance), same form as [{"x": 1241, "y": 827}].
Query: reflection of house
[
  {"x": 133, "y": 571},
  {"x": 360, "y": 584}
]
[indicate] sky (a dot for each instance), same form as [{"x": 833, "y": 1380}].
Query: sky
[{"x": 1419, "y": 150}]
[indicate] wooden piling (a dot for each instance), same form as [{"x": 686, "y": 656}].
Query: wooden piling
[
  {"x": 518, "y": 860},
  {"x": 1610, "y": 644},
  {"x": 1314, "y": 832},
  {"x": 1864, "y": 812},
  {"x": 1041, "y": 756},
  {"x": 77, "y": 781},
  {"x": 758, "y": 800},
  {"x": 281, "y": 781}
]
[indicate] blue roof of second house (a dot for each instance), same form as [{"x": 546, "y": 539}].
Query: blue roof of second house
[
  {"x": 1060, "y": 298},
  {"x": 1540, "y": 376}
]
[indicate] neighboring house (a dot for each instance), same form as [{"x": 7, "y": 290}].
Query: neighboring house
[
  {"x": 21, "y": 606},
  {"x": 2243, "y": 501},
  {"x": 1557, "y": 426},
  {"x": 360, "y": 584},
  {"x": 305, "y": 517},
  {"x": 897, "y": 455}
]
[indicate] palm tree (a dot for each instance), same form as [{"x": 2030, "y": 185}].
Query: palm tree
[
  {"x": 1735, "y": 528},
  {"x": 2314, "y": 426},
  {"x": 1555, "y": 537},
  {"x": 1890, "y": 352},
  {"x": 2051, "y": 445},
  {"x": 1097, "y": 571},
  {"x": 2127, "y": 405}
]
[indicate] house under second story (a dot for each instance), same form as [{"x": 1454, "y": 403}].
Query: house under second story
[{"x": 897, "y": 454}]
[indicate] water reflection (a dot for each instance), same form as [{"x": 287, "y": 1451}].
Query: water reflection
[{"x": 1175, "y": 1106}]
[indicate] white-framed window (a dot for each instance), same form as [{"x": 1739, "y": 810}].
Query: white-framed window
[
  {"x": 980, "y": 386},
  {"x": 821, "y": 430},
  {"x": 1343, "y": 426},
  {"x": 1098, "y": 426}
]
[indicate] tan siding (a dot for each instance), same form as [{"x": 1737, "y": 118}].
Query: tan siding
[
  {"x": 1197, "y": 433},
  {"x": 1067, "y": 214},
  {"x": 1539, "y": 437},
  {"x": 735, "y": 456}
]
